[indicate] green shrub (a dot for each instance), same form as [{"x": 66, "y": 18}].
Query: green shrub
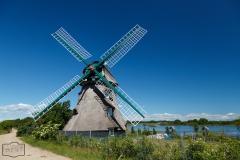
[
  {"x": 3, "y": 131},
  {"x": 61, "y": 138},
  {"x": 94, "y": 144},
  {"x": 230, "y": 148},
  {"x": 110, "y": 148},
  {"x": 26, "y": 129},
  {"x": 168, "y": 151},
  {"x": 78, "y": 141},
  {"x": 132, "y": 130},
  {"x": 144, "y": 149},
  {"x": 6, "y": 126},
  {"x": 46, "y": 132},
  {"x": 200, "y": 150},
  {"x": 118, "y": 147}
]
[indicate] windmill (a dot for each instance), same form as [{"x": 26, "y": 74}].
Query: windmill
[{"x": 101, "y": 102}]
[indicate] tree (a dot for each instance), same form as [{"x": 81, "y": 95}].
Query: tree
[
  {"x": 59, "y": 114},
  {"x": 154, "y": 131},
  {"x": 6, "y": 125},
  {"x": 148, "y": 132},
  {"x": 25, "y": 121},
  {"x": 152, "y": 121},
  {"x": 139, "y": 131},
  {"x": 195, "y": 127},
  {"x": 177, "y": 122},
  {"x": 132, "y": 130},
  {"x": 167, "y": 130},
  {"x": 202, "y": 121},
  {"x": 238, "y": 124},
  {"x": 144, "y": 132},
  {"x": 26, "y": 129}
]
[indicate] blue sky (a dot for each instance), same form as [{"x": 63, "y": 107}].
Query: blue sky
[{"x": 185, "y": 67}]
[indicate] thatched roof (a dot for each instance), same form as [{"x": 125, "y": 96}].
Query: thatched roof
[
  {"x": 109, "y": 77},
  {"x": 91, "y": 113}
]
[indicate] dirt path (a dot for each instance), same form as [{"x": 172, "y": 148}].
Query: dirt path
[{"x": 31, "y": 153}]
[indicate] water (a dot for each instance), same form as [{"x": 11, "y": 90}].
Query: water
[{"x": 228, "y": 130}]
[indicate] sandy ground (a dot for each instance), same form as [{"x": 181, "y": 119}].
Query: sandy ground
[{"x": 31, "y": 153}]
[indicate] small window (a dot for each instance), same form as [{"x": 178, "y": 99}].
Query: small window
[
  {"x": 110, "y": 112},
  {"x": 75, "y": 112},
  {"x": 111, "y": 131}
]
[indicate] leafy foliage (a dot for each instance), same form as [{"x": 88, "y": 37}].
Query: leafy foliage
[
  {"x": 46, "y": 132},
  {"x": 202, "y": 121},
  {"x": 6, "y": 125},
  {"x": 59, "y": 114},
  {"x": 132, "y": 130},
  {"x": 61, "y": 139},
  {"x": 23, "y": 121},
  {"x": 167, "y": 130},
  {"x": 78, "y": 141},
  {"x": 238, "y": 124},
  {"x": 139, "y": 131},
  {"x": 177, "y": 122},
  {"x": 26, "y": 129},
  {"x": 146, "y": 131},
  {"x": 196, "y": 127},
  {"x": 154, "y": 131},
  {"x": 228, "y": 150},
  {"x": 118, "y": 147},
  {"x": 144, "y": 149}
]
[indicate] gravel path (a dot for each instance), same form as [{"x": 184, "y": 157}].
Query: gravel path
[{"x": 31, "y": 153}]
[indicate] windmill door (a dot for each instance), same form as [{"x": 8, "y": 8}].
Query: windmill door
[{"x": 111, "y": 131}]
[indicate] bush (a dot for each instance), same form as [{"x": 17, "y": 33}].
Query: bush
[
  {"x": 94, "y": 144},
  {"x": 46, "y": 132},
  {"x": 200, "y": 150},
  {"x": 230, "y": 148},
  {"x": 144, "y": 149},
  {"x": 110, "y": 148},
  {"x": 6, "y": 126},
  {"x": 78, "y": 141},
  {"x": 118, "y": 147},
  {"x": 169, "y": 151},
  {"x": 61, "y": 138},
  {"x": 26, "y": 129}
]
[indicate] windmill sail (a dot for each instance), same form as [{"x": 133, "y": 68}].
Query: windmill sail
[
  {"x": 132, "y": 114},
  {"x": 100, "y": 93},
  {"x": 67, "y": 41},
  {"x": 119, "y": 49},
  {"x": 42, "y": 107}
]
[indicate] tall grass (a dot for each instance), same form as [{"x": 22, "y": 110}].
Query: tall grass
[
  {"x": 79, "y": 148},
  {"x": 63, "y": 149},
  {"x": 4, "y": 131}
]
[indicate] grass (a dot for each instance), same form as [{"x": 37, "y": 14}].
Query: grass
[
  {"x": 77, "y": 153},
  {"x": 63, "y": 149},
  {"x": 3, "y": 131},
  {"x": 66, "y": 150}
]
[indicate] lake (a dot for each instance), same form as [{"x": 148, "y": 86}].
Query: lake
[{"x": 229, "y": 130}]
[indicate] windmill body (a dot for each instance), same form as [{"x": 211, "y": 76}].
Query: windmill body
[
  {"x": 94, "y": 111},
  {"x": 102, "y": 104}
]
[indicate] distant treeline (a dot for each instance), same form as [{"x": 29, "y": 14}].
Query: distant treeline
[{"x": 201, "y": 121}]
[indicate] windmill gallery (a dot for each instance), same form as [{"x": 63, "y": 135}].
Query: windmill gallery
[{"x": 102, "y": 104}]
